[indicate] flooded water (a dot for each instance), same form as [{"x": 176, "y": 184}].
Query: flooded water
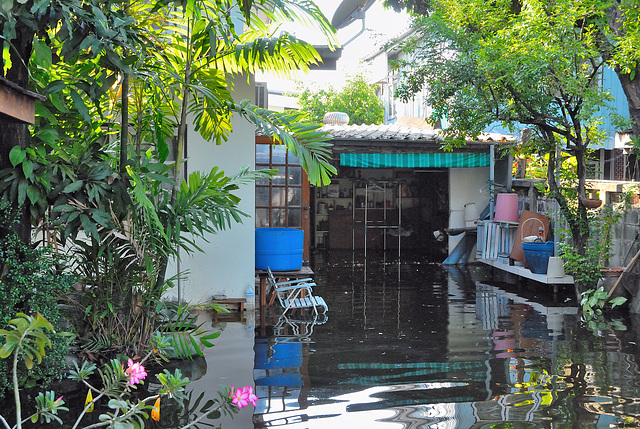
[
  {"x": 412, "y": 344},
  {"x": 416, "y": 345}
]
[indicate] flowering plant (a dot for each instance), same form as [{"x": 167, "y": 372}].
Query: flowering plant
[
  {"x": 243, "y": 396},
  {"x": 136, "y": 372},
  {"x": 117, "y": 384}
]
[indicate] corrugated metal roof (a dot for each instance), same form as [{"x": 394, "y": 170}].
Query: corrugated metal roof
[
  {"x": 394, "y": 132},
  {"x": 380, "y": 132}
]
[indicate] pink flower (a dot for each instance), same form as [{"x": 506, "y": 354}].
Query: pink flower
[
  {"x": 241, "y": 398},
  {"x": 244, "y": 396},
  {"x": 135, "y": 372},
  {"x": 252, "y": 398}
]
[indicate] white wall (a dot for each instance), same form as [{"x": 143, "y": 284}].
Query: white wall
[
  {"x": 466, "y": 185},
  {"x": 227, "y": 265}
]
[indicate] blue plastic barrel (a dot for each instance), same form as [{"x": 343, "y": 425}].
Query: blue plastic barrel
[
  {"x": 279, "y": 248},
  {"x": 537, "y": 255}
]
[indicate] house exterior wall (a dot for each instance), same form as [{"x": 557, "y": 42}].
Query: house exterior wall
[
  {"x": 619, "y": 105},
  {"x": 394, "y": 109},
  {"x": 466, "y": 185},
  {"x": 226, "y": 267}
]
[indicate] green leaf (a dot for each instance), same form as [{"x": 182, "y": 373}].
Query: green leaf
[
  {"x": 617, "y": 301},
  {"x": 73, "y": 187},
  {"x": 42, "y": 53},
  {"x": 88, "y": 226},
  {"x": 17, "y": 155},
  {"x": 44, "y": 112},
  {"x": 55, "y": 87},
  {"x": 27, "y": 168},
  {"x": 22, "y": 191},
  {"x": 48, "y": 135},
  {"x": 80, "y": 106},
  {"x": 34, "y": 194},
  {"x": 28, "y": 362},
  {"x": 123, "y": 425},
  {"x": 7, "y": 349}
]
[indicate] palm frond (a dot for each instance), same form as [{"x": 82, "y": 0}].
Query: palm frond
[
  {"x": 96, "y": 343},
  {"x": 188, "y": 337},
  {"x": 303, "y": 139}
]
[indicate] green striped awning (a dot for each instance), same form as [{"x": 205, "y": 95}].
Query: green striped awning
[{"x": 414, "y": 160}]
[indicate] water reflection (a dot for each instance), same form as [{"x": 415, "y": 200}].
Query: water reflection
[{"x": 413, "y": 345}]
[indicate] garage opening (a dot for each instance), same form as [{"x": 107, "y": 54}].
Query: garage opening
[{"x": 377, "y": 209}]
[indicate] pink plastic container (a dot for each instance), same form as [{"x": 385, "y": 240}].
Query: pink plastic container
[{"x": 506, "y": 208}]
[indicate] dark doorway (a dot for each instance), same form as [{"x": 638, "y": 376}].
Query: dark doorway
[{"x": 383, "y": 209}]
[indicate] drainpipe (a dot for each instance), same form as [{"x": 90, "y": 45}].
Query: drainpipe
[
  {"x": 492, "y": 167},
  {"x": 357, "y": 15}
]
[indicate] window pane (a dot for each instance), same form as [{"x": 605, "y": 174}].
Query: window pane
[
  {"x": 262, "y": 218},
  {"x": 295, "y": 218},
  {"x": 279, "y": 154},
  {"x": 293, "y": 160},
  {"x": 277, "y": 218},
  {"x": 262, "y": 154},
  {"x": 280, "y": 177},
  {"x": 278, "y": 196},
  {"x": 295, "y": 175},
  {"x": 263, "y": 182},
  {"x": 262, "y": 196},
  {"x": 295, "y": 197}
]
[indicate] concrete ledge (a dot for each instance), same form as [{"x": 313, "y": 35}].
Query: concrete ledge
[{"x": 521, "y": 271}]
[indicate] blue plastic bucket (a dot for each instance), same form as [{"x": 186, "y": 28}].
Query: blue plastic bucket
[
  {"x": 279, "y": 248},
  {"x": 537, "y": 254}
]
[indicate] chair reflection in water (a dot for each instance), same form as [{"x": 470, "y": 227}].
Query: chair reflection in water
[{"x": 280, "y": 367}]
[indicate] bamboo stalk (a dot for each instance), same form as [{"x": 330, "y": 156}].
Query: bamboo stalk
[{"x": 627, "y": 268}]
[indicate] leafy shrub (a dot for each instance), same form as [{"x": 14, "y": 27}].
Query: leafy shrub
[{"x": 31, "y": 280}]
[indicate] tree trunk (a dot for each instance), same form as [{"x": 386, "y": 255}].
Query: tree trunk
[
  {"x": 576, "y": 220},
  {"x": 631, "y": 89},
  {"x": 18, "y": 134}
]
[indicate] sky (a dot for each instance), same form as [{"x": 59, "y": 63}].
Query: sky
[{"x": 380, "y": 23}]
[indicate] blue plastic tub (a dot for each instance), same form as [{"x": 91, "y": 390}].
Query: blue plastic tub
[
  {"x": 537, "y": 254},
  {"x": 279, "y": 248}
]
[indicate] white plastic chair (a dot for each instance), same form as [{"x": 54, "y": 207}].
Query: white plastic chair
[{"x": 294, "y": 294}]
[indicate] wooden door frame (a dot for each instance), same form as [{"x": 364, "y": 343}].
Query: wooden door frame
[{"x": 305, "y": 201}]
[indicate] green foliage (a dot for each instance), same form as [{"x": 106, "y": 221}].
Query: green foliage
[
  {"x": 173, "y": 384},
  {"x": 186, "y": 336},
  {"x": 82, "y": 372},
  {"x": 533, "y": 65},
  {"x": 27, "y": 336},
  {"x": 419, "y": 7},
  {"x": 593, "y": 302},
  {"x": 78, "y": 187},
  {"x": 137, "y": 213},
  {"x": 356, "y": 98},
  {"x": 116, "y": 305},
  {"x": 586, "y": 268},
  {"x": 26, "y": 340},
  {"x": 48, "y": 406},
  {"x": 314, "y": 155},
  {"x": 194, "y": 408},
  {"x": 31, "y": 281}
]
